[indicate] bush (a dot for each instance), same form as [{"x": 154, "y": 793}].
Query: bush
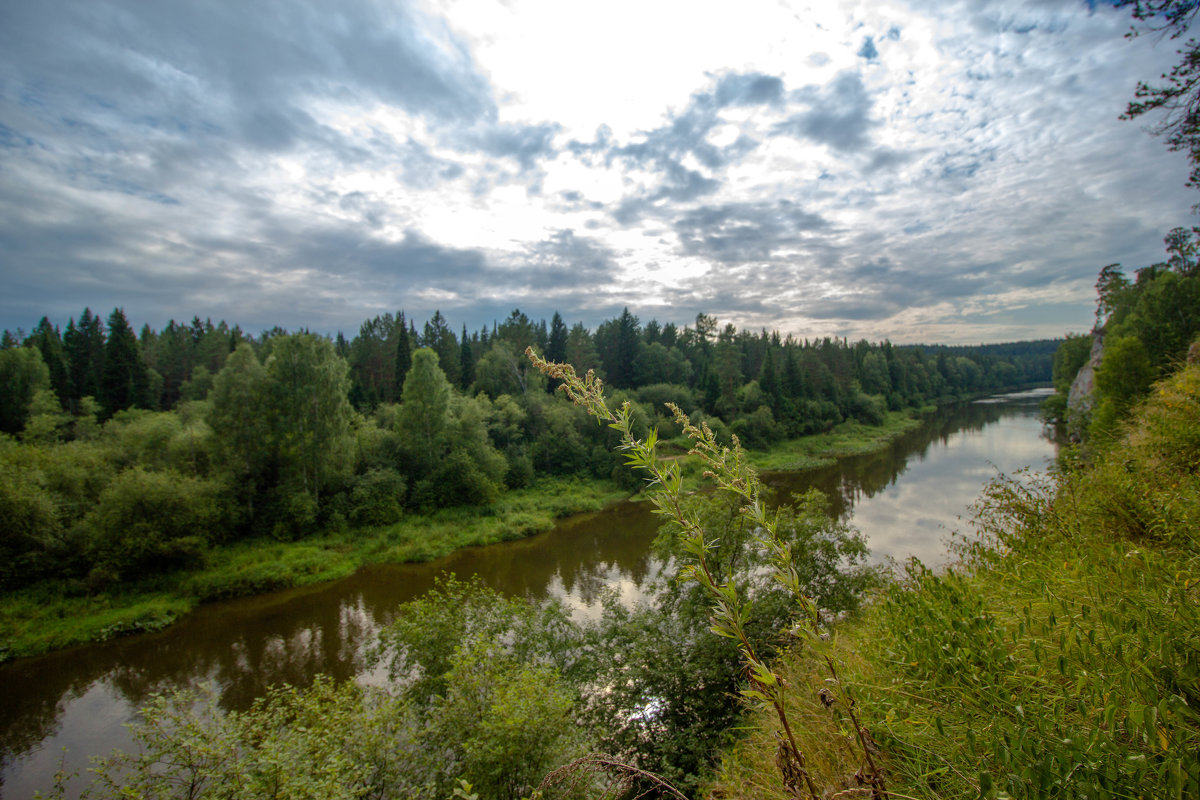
[
  {"x": 458, "y": 481},
  {"x": 520, "y": 468},
  {"x": 377, "y": 497},
  {"x": 30, "y": 524},
  {"x": 155, "y": 521},
  {"x": 292, "y": 514},
  {"x": 756, "y": 431}
]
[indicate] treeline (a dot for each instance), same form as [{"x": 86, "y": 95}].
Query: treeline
[
  {"x": 125, "y": 456},
  {"x": 1145, "y": 327}
]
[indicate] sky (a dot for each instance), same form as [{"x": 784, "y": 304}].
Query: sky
[{"x": 946, "y": 171}]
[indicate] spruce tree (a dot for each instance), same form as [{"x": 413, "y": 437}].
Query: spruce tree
[
  {"x": 125, "y": 381},
  {"x": 84, "y": 346},
  {"x": 556, "y": 347},
  {"x": 403, "y": 354},
  {"x": 46, "y": 338},
  {"x": 466, "y": 361}
]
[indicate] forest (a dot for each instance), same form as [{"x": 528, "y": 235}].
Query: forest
[{"x": 128, "y": 455}]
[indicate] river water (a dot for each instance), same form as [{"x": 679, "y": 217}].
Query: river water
[{"x": 907, "y": 499}]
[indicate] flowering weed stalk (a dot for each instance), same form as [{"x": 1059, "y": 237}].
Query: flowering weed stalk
[{"x": 728, "y": 468}]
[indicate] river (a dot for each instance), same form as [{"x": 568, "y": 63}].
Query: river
[{"x": 906, "y": 499}]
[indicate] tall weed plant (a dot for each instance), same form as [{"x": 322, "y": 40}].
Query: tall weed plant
[{"x": 730, "y": 609}]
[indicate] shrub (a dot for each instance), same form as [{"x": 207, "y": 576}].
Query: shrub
[
  {"x": 155, "y": 520},
  {"x": 377, "y": 497}
]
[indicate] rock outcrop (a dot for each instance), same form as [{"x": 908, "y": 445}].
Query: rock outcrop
[{"x": 1082, "y": 396}]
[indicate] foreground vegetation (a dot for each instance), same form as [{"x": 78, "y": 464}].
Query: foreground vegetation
[{"x": 1059, "y": 660}]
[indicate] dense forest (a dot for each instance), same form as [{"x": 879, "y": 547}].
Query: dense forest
[{"x": 124, "y": 455}]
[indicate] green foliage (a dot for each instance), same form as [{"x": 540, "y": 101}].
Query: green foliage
[
  {"x": 1124, "y": 375},
  {"x": 238, "y": 417},
  {"x": 308, "y": 412},
  {"x": 125, "y": 381},
  {"x": 728, "y": 598},
  {"x": 22, "y": 375},
  {"x": 377, "y": 497},
  {"x": 459, "y": 481},
  {"x": 419, "y": 647},
  {"x": 1060, "y": 661},
  {"x": 47, "y": 423},
  {"x": 502, "y": 725},
  {"x": 155, "y": 520},
  {"x": 1072, "y": 354},
  {"x": 424, "y": 413},
  {"x": 503, "y": 370},
  {"x": 329, "y": 741},
  {"x": 32, "y": 525}
]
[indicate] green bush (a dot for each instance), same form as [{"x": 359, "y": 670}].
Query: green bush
[
  {"x": 155, "y": 521},
  {"x": 377, "y": 497},
  {"x": 30, "y": 524},
  {"x": 459, "y": 481}
]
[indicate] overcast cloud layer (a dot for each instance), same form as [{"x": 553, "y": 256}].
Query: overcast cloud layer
[{"x": 922, "y": 171}]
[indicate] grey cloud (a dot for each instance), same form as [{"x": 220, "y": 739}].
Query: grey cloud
[
  {"x": 745, "y": 232},
  {"x": 162, "y": 93},
  {"x": 420, "y": 168},
  {"x": 566, "y": 260},
  {"x": 750, "y": 89},
  {"x": 838, "y": 115},
  {"x": 887, "y": 158},
  {"x": 525, "y": 143},
  {"x": 664, "y": 149}
]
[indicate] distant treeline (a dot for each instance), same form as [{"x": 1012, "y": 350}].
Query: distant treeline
[
  {"x": 125, "y": 455},
  {"x": 159, "y": 369}
]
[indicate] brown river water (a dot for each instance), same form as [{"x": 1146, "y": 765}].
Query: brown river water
[{"x": 906, "y": 499}]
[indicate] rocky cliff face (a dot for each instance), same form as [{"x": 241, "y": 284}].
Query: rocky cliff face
[{"x": 1083, "y": 389}]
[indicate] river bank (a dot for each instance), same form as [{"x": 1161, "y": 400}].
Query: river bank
[
  {"x": 1059, "y": 661},
  {"x": 50, "y": 617}
]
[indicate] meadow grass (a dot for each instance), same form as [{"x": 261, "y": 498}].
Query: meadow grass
[
  {"x": 1060, "y": 659},
  {"x": 849, "y": 438}
]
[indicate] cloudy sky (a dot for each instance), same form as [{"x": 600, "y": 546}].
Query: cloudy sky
[{"x": 920, "y": 170}]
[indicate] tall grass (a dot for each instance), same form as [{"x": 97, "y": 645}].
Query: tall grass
[{"x": 1061, "y": 659}]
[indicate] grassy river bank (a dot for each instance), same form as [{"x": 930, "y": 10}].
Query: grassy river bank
[
  {"x": 50, "y": 616},
  {"x": 1062, "y": 659}
]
